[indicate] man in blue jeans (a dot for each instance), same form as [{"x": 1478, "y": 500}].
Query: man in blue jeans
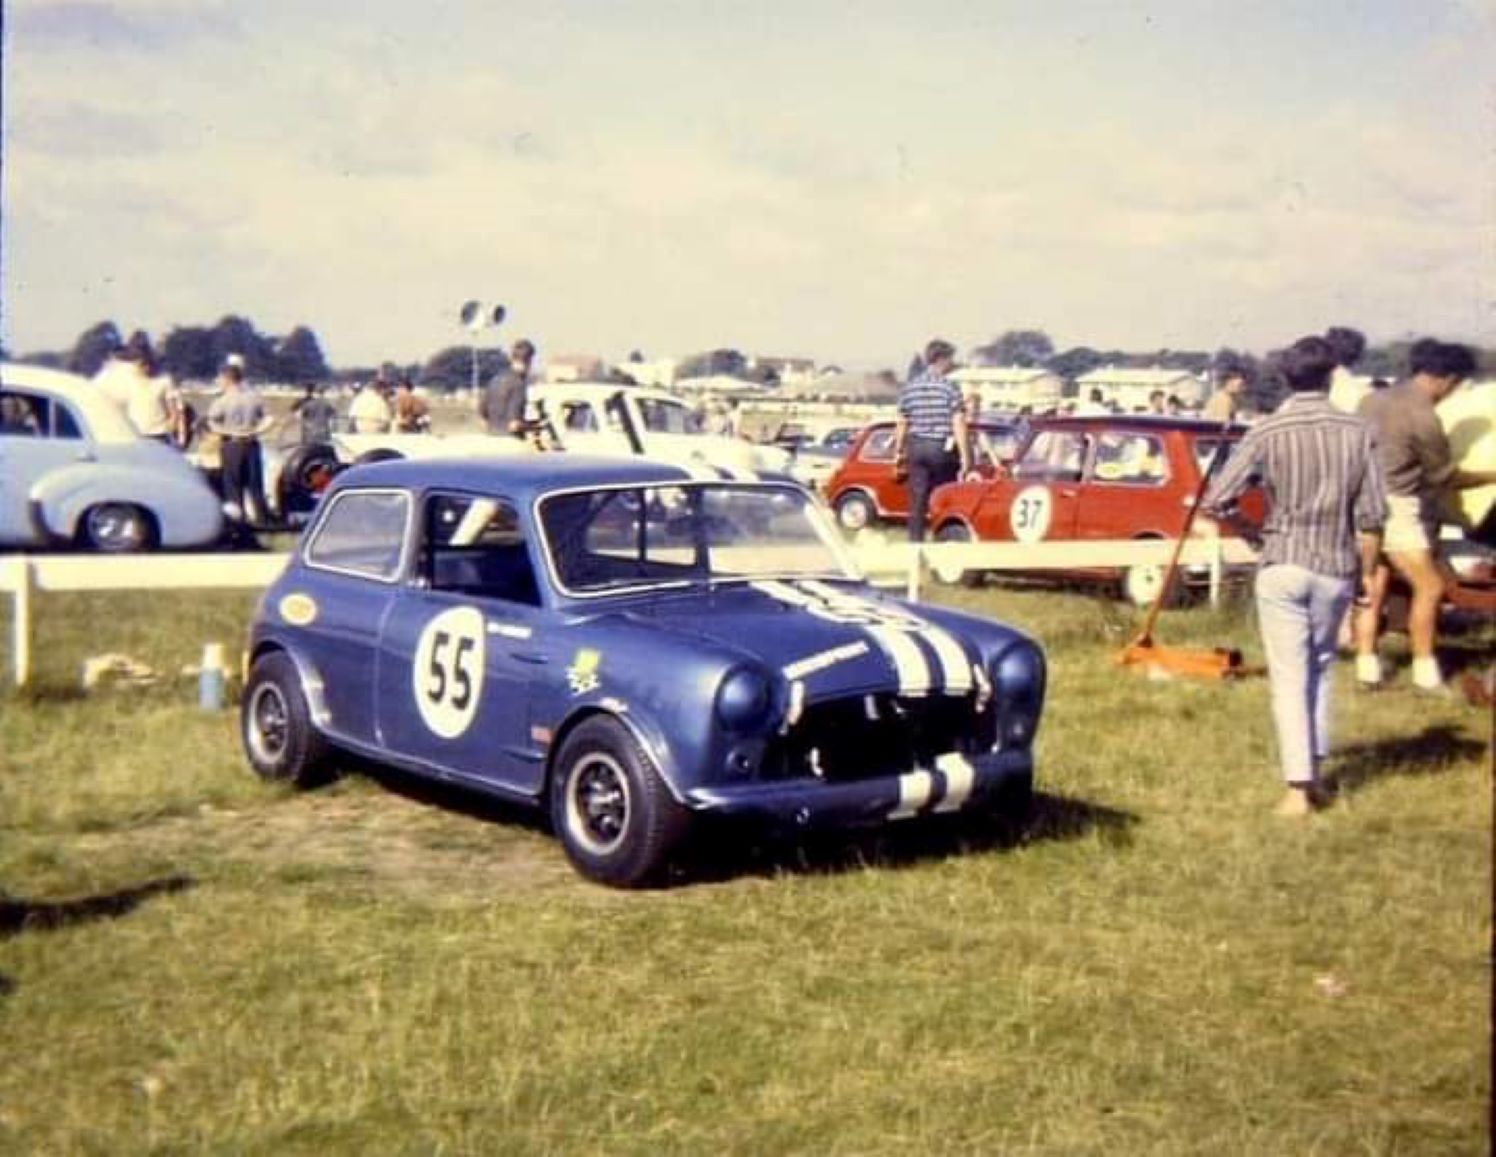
[{"x": 1326, "y": 507}]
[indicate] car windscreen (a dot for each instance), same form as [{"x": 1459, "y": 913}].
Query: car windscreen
[{"x": 635, "y": 537}]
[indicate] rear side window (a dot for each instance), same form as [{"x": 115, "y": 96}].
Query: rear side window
[
  {"x": 879, "y": 446},
  {"x": 362, "y": 533}
]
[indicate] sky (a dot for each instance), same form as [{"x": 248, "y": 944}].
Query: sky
[{"x": 817, "y": 178}]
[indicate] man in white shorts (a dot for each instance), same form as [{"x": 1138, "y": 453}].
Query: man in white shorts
[{"x": 1416, "y": 465}]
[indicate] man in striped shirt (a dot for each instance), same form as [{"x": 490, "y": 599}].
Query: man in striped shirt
[
  {"x": 1326, "y": 507},
  {"x": 930, "y": 436}
]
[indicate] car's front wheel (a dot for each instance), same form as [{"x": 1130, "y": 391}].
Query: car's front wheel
[
  {"x": 276, "y": 725},
  {"x": 854, "y": 511},
  {"x": 116, "y": 528},
  {"x": 611, "y": 809}
]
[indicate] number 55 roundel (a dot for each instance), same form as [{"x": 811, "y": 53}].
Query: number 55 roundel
[{"x": 447, "y": 673}]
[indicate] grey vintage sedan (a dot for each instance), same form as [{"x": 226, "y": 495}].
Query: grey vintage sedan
[{"x": 74, "y": 472}]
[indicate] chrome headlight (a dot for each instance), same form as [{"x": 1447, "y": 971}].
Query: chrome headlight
[{"x": 1018, "y": 694}]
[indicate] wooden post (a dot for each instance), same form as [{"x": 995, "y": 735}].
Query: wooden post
[
  {"x": 916, "y": 561},
  {"x": 1215, "y": 570}
]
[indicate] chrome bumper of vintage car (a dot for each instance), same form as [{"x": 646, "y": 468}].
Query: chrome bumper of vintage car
[{"x": 953, "y": 783}]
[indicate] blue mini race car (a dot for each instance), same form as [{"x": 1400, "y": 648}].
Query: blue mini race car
[{"x": 631, "y": 644}]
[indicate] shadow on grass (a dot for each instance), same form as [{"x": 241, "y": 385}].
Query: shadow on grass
[
  {"x": 722, "y": 850},
  {"x": 17, "y": 915},
  {"x": 1432, "y": 751},
  {"x": 755, "y": 853}
]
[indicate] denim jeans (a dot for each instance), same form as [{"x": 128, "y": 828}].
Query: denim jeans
[
  {"x": 930, "y": 465},
  {"x": 1299, "y": 614}
]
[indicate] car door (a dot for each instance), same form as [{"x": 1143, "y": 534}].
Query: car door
[
  {"x": 355, "y": 556},
  {"x": 463, "y": 645},
  {"x": 1040, "y": 499},
  {"x": 38, "y": 434}
]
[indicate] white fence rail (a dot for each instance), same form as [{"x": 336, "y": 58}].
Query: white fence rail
[{"x": 891, "y": 562}]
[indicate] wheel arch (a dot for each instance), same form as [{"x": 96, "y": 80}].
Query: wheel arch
[
  {"x": 313, "y": 690},
  {"x": 650, "y": 741}
]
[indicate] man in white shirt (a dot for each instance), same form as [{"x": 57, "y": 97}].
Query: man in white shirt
[{"x": 369, "y": 412}]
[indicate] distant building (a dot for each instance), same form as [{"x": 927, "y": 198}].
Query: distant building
[
  {"x": 783, "y": 370},
  {"x": 575, "y": 368},
  {"x": 1011, "y": 387},
  {"x": 1127, "y": 390}
]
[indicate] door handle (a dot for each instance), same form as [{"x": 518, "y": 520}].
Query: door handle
[
  {"x": 1069, "y": 493},
  {"x": 536, "y": 658}
]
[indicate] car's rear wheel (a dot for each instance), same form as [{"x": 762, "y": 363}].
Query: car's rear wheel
[
  {"x": 305, "y": 474},
  {"x": 854, "y": 511},
  {"x": 276, "y": 725},
  {"x": 951, "y": 574},
  {"x": 611, "y": 809},
  {"x": 116, "y": 528}
]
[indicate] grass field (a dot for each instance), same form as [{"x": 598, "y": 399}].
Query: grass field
[{"x": 1151, "y": 963}]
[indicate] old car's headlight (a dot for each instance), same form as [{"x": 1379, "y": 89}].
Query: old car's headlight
[
  {"x": 1018, "y": 694},
  {"x": 744, "y": 698}
]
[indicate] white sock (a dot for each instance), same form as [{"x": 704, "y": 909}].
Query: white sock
[
  {"x": 1426, "y": 672},
  {"x": 1368, "y": 669}
]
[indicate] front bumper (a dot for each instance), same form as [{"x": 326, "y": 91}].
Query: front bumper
[{"x": 953, "y": 784}]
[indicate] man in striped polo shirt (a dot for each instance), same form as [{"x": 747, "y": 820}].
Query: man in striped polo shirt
[
  {"x": 930, "y": 438},
  {"x": 1326, "y": 508}
]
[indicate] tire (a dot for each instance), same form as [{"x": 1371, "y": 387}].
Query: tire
[
  {"x": 854, "y": 511},
  {"x": 304, "y": 475},
  {"x": 276, "y": 726},
  {"x": 611, "y": 810},
  {"x": 116, "y": 528},
  {"x": 1140, "y": 585},
  {"x": 947, "y": 575}
]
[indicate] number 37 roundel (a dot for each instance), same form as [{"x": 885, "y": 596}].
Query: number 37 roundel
[{"x": 447, "y": 673}]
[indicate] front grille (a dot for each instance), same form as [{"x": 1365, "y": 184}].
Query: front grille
[{"x": 876, "y": 735}]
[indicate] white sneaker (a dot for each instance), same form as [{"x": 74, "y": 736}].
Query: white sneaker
[
  {"x": 1427, "y": 676},
  {"x": 1368, "y": 671}
]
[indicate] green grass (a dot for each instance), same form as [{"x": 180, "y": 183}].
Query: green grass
[{"x": 1153, "y": 964}]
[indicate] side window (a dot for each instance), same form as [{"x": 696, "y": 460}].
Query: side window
[
  {"x": 476, "y": 546},
  {"x": 362, "y": 533},
  {"x": 1205, "y": 450},
  {"x": 879, "y": 446},
  {"x": 64, "y": 424},
  {"x": 22, "y": 415},
  {"x": 578, "y": 416},
  {"x": 1132, "y": 458},
  {"x": 1056, "y": 455}
]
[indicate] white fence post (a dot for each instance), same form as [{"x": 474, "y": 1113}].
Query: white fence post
[{"x": 20, "y": 625}]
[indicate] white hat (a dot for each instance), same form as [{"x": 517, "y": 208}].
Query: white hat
[{"x": 235, "y": 360}]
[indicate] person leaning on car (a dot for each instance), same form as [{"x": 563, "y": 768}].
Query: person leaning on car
[
  {"x": 502, "y": 405},
  {"x": 238, "y": 416},
  {"x": 930, "y": 436}
]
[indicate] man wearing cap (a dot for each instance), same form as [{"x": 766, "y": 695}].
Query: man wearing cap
[
  {"x": 930, "y": 435},
  {"x": 502, "y": 405}
]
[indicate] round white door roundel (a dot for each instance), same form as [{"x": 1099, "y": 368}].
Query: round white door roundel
[
  {"x": 1030, "y": 514},
  {"x": 447, "y": 672}
]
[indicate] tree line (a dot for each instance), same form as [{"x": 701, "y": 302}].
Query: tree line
[{"x": 196, "y": 353}]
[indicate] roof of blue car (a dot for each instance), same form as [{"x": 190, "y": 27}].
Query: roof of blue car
[{"x": 519, "y": 474}]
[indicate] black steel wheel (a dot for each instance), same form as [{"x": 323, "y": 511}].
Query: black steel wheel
[{"x": 611, "y": 809}]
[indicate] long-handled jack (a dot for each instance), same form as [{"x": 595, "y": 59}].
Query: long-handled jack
[{"x": 1198, "y": 662}]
